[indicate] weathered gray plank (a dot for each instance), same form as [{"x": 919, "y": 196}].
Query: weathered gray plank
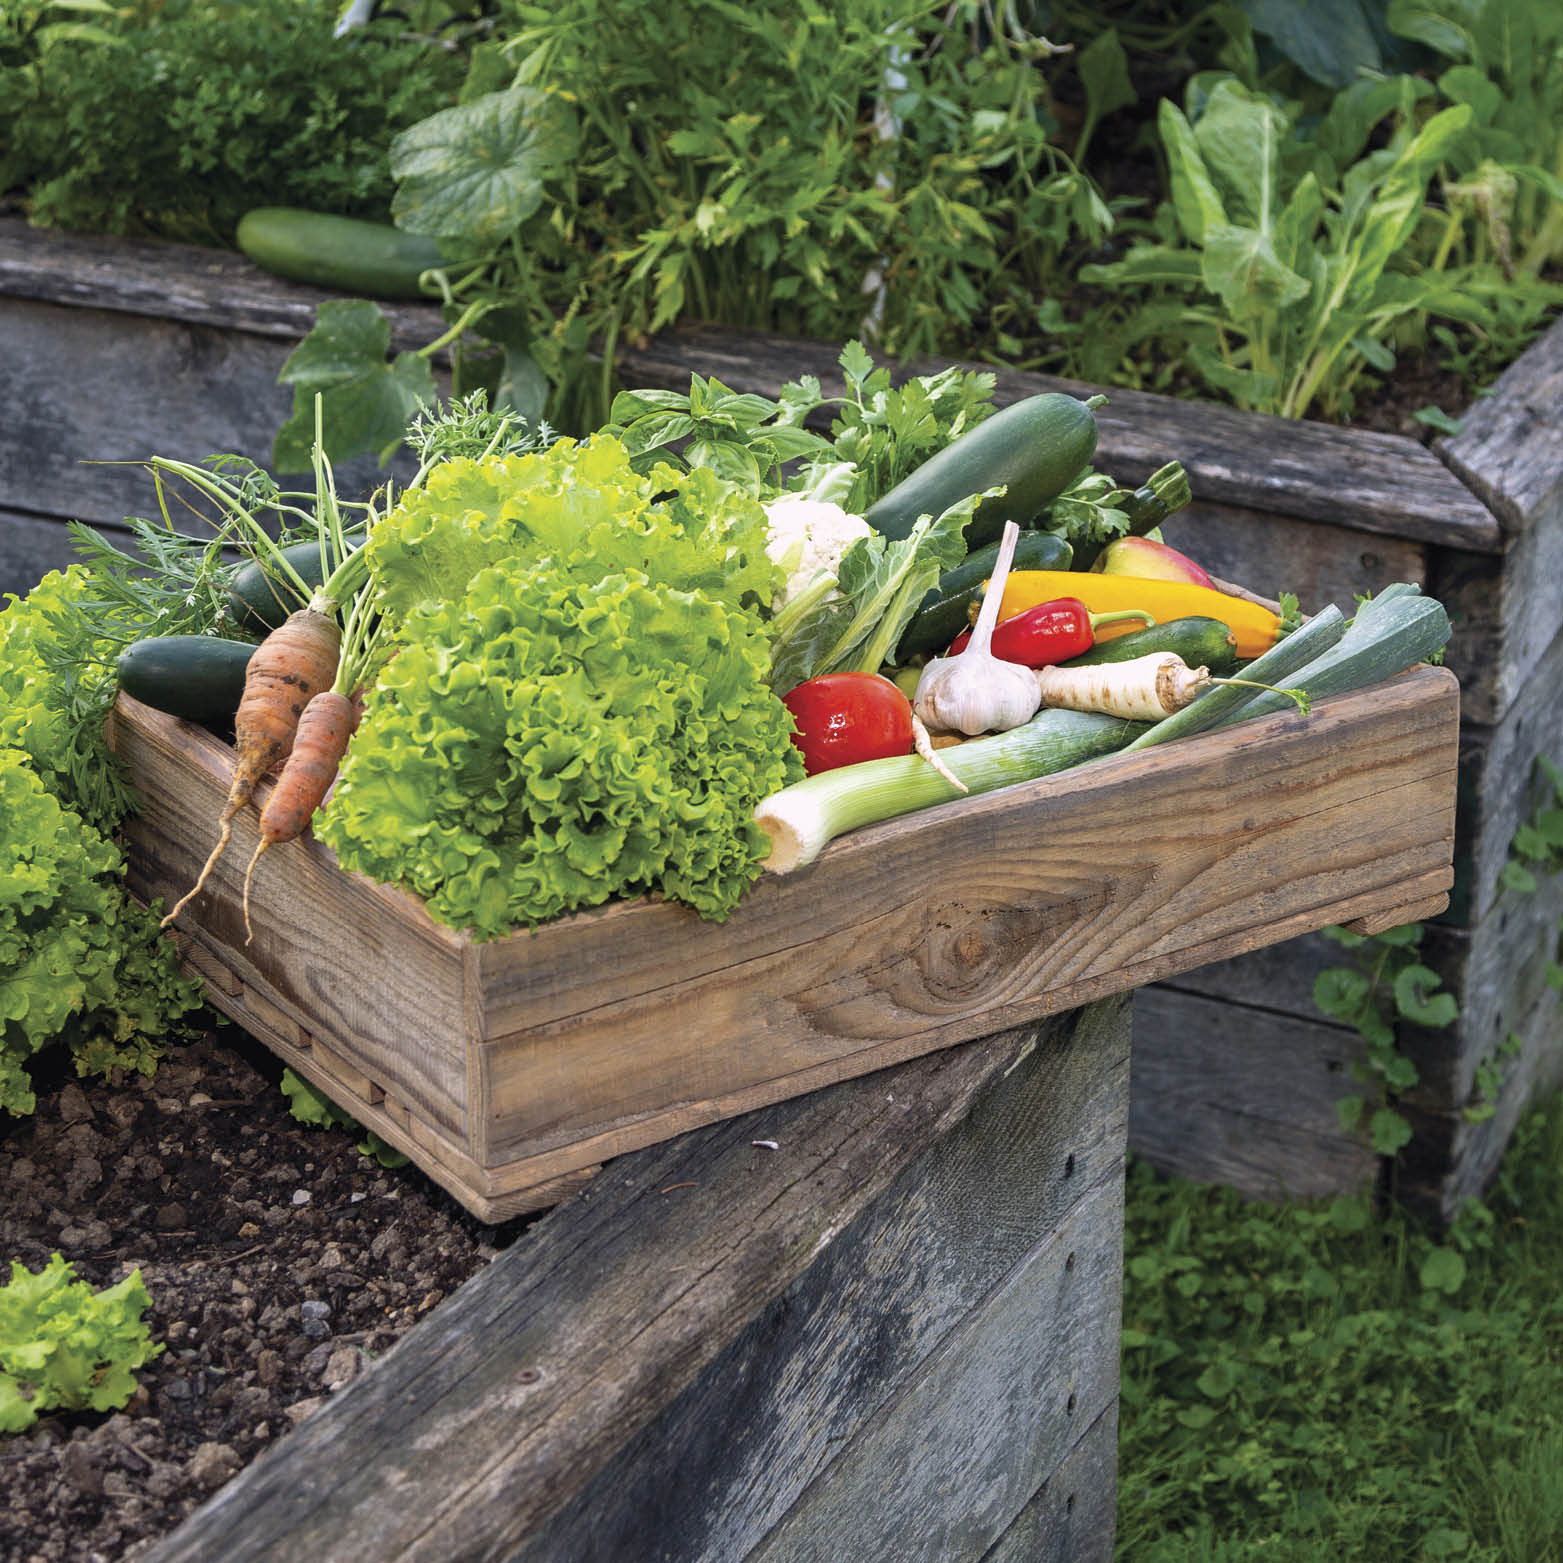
[
  {"x": 1270, "y": 554},
  {"x": 1222, "y": 1093},
  {"x": 1070, "y": 1519},
  {"x": 1500, "y": 784},
  {"x": 31, "y": 546},
  {"x": 1380, "y": 483},
  {"x": 93, "y": 393},
  {"x": 818, "y": 1372},
  {"x": 945, "y": 1471},
  {"x": 176, "y": 282},
  {"x": 495, "y": 1414},
  {"x": 1451, "y": 1160}
]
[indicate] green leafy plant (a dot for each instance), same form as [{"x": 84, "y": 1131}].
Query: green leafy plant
[
  {"x": 1387, "y": 984},
  {"x": 1283, "y": 260},
  {"x": 201, "y": 112},
  {"x": 307, "y": 1104},
  {"x": 64, "y": 1346},
  {"x": 1316, "y": 1381}
]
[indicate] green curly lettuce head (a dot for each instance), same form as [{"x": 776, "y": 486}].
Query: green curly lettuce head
[
  {"x": 558, "y": 738},
  {"x": 577, "y": 502}
]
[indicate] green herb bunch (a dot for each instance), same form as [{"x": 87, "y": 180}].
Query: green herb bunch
[
  {"x": 201, "y": 111},
  {"x": 64, "y": 1346}
]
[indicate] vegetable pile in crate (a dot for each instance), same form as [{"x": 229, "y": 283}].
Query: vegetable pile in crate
[{"x": 593, "y": 676}]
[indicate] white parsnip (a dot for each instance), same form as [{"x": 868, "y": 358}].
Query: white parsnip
[{"x": 1143, "y": 689}]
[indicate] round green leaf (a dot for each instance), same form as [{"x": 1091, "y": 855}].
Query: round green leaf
[{"x": 477, "y": 171}]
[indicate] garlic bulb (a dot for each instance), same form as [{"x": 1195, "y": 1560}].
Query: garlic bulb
[{"x": 976, "y": 692}]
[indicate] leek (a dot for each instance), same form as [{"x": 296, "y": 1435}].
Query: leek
[{"x": 803, "y": 818}]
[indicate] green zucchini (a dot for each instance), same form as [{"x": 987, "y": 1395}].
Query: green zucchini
[
  {"x": 198, "y": 677},
  {"x": 361, "y": 257},
  {"x": 1035, "y": 448},
  {"x": 261, "y": 597},
  {"x": 1201, "y": 642},
  {"x": 946, "y": 610}
]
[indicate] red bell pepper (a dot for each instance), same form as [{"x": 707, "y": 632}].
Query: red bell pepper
[
  {"x": 1049, "y": 633},
  {"x": 842, "y": 718}
]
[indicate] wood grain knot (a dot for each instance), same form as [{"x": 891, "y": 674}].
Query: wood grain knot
[{"x": 965, "y": 950}]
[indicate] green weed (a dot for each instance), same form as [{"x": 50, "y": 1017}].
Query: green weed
[{"x": 1311, "y": 1382}]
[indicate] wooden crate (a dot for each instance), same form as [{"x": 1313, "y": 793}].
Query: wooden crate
[
  {"x": 879, "y": 1321},
  {"x": 511, "y": 1069},
  {"x": 1477, "y": 521}
]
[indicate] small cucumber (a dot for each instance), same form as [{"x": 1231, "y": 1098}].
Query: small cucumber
[
  {"x": 261, "y": 598},
  {"x": 198, "y": 677},
  {"x": 1035, "y": 447},
  {"x": 366, "y": 258},
  {"x": 1200, "y": 642},
  {"x": 946, "y": 610}
]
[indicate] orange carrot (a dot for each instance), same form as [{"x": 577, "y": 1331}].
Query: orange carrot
[
  {"x": 329, "y": 721},
  {"x": 290, "y": 667}
]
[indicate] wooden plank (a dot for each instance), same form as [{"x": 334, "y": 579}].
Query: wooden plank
[
  {"x": 501, "y": 1408},
  {"x": 1451, "y": 1160},
  {"x": 1500, "y": 783},
  {"x": 999, "y": 1404},
  {"x": 1398, "y": 916},
  {"x": 1070, "y": 1519},
  {"x": 76, "y": 456},
  {"x": 182, "y": 283},
  {"x": 315, "y": 928},
  {"x": 1379, "y": 483},
  {"x": 1244, "y": 1098},
  {"x": 1039, "y": 896},
  {"x": 1509, "y": 451},
  {"x": 31, "y": 546},
  {"x": 835, "y": 1362}
]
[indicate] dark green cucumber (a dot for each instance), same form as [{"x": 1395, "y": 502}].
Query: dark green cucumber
[
  {"x": 261, "y": 597},
  {"x": 946, "y": 610},
  {"x": 1035, "y": 448},
  {"x": 198, "y": 677},
  {"x": 1165, "y": 490},
  {"x": 1200, "y": 642},
  {"x": 361, "y": 257}
]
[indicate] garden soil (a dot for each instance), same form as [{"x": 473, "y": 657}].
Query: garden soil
[{"x": 282, "y": 1263}]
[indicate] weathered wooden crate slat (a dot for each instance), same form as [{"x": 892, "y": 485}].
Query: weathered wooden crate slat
[
  {"x": 532, "y": 1058},
  {"x": 798, "y": 1333}
]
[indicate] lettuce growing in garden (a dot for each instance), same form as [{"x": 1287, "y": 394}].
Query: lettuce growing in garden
[{"x": 561, "y": 736}]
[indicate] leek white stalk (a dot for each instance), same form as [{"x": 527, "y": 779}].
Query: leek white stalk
[{"x": 803, "y": 819}]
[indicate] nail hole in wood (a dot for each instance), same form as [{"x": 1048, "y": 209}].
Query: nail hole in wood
[
  {"x": 1069, "y": 1166},
  {"x": 1069, "y": 1263},
  {"x": 1069, "y": 1405},
  {"x": 1069, "y": 1504}
]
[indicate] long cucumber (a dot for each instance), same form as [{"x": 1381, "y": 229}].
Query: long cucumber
[{"x": 1283, "y": 661}]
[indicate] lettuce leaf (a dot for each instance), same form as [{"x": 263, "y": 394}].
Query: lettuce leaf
[
  {"x": 577, "y": 500},
  {"x": 562, "y": 735}
]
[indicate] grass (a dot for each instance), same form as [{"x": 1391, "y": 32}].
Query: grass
[{"x": 1314, "y": 1382}]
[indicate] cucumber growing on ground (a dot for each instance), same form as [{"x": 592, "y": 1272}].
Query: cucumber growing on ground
[
  {"x": 198, "y": 677},
  {"x": 1035, "y": 448},
  {"x": 367, "y": 258},
  {"x": 1201, "y": 642}
]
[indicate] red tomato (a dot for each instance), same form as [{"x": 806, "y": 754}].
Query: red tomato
[{"x": 843, "y": 718}]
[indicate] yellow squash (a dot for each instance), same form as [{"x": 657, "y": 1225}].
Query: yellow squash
[{"x": 1254, "y": 626}]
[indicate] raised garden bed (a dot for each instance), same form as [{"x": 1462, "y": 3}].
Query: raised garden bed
[{"x": 1327, "y": 512}]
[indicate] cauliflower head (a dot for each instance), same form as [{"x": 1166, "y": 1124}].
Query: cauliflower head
[{"x": 805, "y": 536}]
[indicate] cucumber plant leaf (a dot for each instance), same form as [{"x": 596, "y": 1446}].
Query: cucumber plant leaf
[
  {"x": 367, "y": 397},
  {"x": 477, "y": 171}
]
